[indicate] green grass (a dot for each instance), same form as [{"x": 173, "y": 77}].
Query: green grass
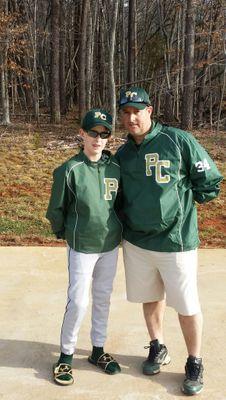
[{"x": 23, "y": 226}]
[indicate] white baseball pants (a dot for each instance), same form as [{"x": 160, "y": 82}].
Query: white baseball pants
[{"x": 83, "y": 269}]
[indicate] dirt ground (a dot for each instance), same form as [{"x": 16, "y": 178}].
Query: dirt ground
[
  {"x": 29, "y": 153},
  {"x": 33, "y": 284}
]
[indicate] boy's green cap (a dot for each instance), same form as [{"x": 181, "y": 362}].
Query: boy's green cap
[
  {"x": 97, "y": 116},
  {"x": 134, "y": 97}
]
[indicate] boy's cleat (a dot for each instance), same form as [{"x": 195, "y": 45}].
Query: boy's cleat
[
  {"x": 62, "y": 374},
  {"x": 158, "y": 355}
]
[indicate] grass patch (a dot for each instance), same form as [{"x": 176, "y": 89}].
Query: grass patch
[
  {"x": 28, "y": 158},
  {"x": 24, "y": 227}
]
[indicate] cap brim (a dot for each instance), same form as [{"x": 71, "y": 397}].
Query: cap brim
[
  {"x": 139, "y": 106},
  {"x": 103, "y": 123}
]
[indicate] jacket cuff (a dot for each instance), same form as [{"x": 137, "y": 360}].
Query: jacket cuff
[{"x": 60, "y": 235}]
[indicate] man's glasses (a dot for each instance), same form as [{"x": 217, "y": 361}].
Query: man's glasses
[{"x": 94, "y": 134}]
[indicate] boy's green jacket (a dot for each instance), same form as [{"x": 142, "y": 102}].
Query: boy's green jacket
[
  {"x": 161, "y": 179},
  {"x": 81, "y": 207}
]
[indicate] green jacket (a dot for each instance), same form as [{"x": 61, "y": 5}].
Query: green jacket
[
  {"x": 81, "y": 207},
  {"x": 161, "y": 180}
]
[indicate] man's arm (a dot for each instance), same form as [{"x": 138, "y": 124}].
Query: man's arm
[{"x": 204, "y": 175}]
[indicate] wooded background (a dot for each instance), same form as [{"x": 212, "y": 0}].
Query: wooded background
[{"x": 59, "y": 55}]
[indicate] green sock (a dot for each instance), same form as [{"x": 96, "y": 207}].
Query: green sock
[
  {"x": 65, "y": 359},
  {"x": 97, "y": 352}
]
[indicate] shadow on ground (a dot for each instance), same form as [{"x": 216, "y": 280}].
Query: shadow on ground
[{"x": 39, "y": 357}]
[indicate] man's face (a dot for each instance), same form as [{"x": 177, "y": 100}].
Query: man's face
[{"x": 137, "y": 122}]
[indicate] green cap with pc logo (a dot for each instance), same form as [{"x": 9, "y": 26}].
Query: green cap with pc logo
[
  {"x": 134, "y": 97},
  {"x": 96, "y": 116}
]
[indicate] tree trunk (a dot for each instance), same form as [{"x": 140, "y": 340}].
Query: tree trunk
[
  {"x": 62, "y": 45},
  {"x": 132, "y": 42},
  {"x": 89, "y": 52},
  {"x": 55, "y": 56},
  {"x": 122, "y": 41},
  {"x": 4, "y": 45},
  {"x": 188, "y": 83},
  {"x": 114, "y": 15},
  {"x": 4, "y": 94},
  {"x": 203, "y": 91},
  {"x": 82, "y": 59},
  {"x": 35, "y": 68},
  {"x": 222, "y": 97},
  {"x": 75, "y": 57}
]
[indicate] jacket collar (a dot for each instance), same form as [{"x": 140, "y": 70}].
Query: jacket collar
[
  {"x": 155, "y": 128},
  {"x": 105, "y": 158}
]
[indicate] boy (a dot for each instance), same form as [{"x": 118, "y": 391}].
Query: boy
[{"x": 81, "y": 210}]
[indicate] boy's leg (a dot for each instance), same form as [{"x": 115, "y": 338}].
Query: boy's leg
[
  {"x": 80, "y": 268},
  {"x": 102, "y": 285},
  {"x": 103, "y": 276}
]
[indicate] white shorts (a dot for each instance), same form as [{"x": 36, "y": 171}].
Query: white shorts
[{"x": 152, "y": 276}]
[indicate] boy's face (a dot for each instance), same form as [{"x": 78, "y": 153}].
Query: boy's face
[{"x": 93, "y": 147}]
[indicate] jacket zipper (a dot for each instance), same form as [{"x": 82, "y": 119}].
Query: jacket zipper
[{"x": 99, "y": 181}]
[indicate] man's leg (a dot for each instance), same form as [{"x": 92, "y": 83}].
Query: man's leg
[
  {"x": 154, "y": 314},
  {"x": 158, "y": 353},
  {"x": 192, "y": 331},
  {"x": 191, "y": 327},
  {"x": 145, "y": 285},
  {"x": 179, "y": 274}
]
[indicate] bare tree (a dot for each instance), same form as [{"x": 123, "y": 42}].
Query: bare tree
[
  {"x": 55, "y": 57},
  {"x": 132, "y": 42},
  {"x": 64, "y": 54},
  {"x": 62, "y": 45},
  {"x": 114, "y": 14},
  {"x": 35, "y": 66},
  {"x": 188, "y": 92},
  {"x": 82, "y": 59},
  {"x": 222, "y": 97},
  {"x": 4, "y": 46}
]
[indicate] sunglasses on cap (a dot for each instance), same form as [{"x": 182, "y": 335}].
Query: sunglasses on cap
[
  {"x": 132, "y": 99},
  {"x": 103, "y": 135}
]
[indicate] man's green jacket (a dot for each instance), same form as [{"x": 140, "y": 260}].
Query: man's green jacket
[{"x": 161, "y": 179}]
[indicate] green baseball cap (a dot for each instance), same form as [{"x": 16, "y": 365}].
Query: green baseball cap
[
  {"x": 134, "y": 97},
  {"x": 97, "y": 116}
]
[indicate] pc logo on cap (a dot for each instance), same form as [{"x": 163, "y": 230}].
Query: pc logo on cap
[
  {"x": 134, "y": 97},
  {"x": 95, "y": 117}
]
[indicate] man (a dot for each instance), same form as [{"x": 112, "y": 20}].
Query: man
[
  {"x": 81, "y": 210},
  {"x": 163, "y": 172}
]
